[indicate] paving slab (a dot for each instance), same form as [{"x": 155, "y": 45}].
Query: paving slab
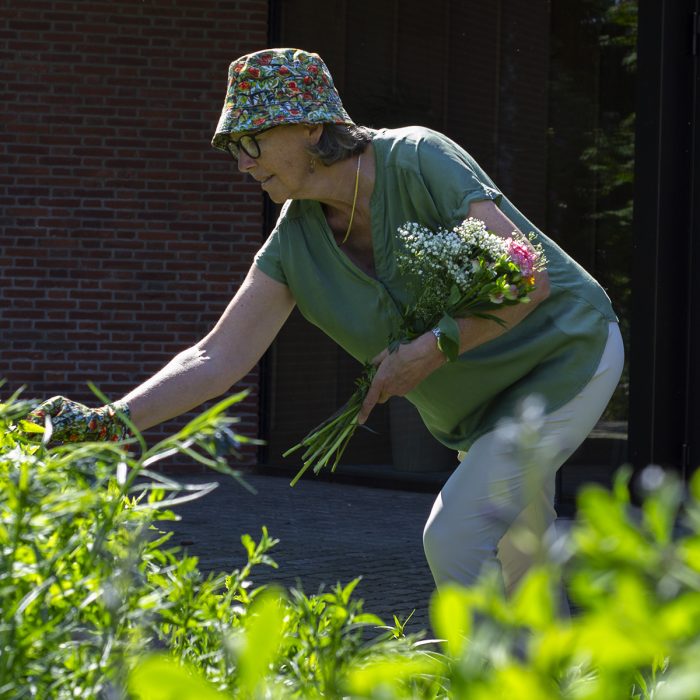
[{"x": 328, "y": 532}]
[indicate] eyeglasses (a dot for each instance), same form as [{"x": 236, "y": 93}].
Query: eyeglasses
[{"x": 247, "y": 144}]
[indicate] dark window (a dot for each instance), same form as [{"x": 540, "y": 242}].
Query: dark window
[{"x": 544, "y": 95}]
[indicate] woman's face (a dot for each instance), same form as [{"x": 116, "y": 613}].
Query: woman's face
[{"x": 282, "y": 169}]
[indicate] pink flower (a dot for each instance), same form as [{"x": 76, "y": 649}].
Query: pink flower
[{"x": 523, "y": 256}]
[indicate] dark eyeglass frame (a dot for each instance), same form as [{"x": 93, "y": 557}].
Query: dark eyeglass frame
[{"x": 247, "y": 143}]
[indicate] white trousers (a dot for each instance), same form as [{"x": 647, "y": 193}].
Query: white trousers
[{"x": 501, "y": 497}]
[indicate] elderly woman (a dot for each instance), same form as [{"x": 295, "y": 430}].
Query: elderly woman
[{"x": 346, "y": 190}]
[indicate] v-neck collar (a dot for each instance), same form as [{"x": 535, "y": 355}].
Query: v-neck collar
[{"x": 376, "y": 208}]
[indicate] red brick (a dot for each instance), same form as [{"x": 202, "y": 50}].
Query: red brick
[{"x": 125, "y": 234}]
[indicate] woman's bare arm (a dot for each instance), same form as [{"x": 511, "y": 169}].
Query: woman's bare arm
[
  {"x": 210, "y": 367},
  {"x": 477, "y": 331}
]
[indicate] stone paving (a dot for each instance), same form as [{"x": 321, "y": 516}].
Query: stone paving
[{"x": 329, "y": 532}]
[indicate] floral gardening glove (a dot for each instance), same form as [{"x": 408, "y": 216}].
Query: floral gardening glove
[{"x": 73, "y": 422}]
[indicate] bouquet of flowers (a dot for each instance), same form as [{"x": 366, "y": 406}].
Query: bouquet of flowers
[{"x": 464, "y": 271}]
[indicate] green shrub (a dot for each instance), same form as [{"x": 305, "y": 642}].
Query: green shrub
[
  {"x": 97, "y": 604},
  {"x": 90, "y": 588}
]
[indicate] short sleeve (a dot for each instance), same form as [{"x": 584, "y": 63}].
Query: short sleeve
[
  {"x": 269, "y": 258},
  {"x": 453, "y": 177}
]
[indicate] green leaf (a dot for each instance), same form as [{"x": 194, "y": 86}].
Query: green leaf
[
  {"x": 490, "y": 317},
  {"x": 379, "y": 677},
  {"x": 448, "y": 342},
  {"x": 27, "y": 426},
  {"x": 348, "y": 590},
  {"x": 369, "y": 619},
  {"x": 159, "y": 678},
  {"x": 264, "y": 630},
  {"x": 455, "y": 295},
  {"x": 249, "y": 544},
  {"x": 533, "y": 602},
  {"x": 695, "y": 485},
  {"x": 451, "y": 617}
]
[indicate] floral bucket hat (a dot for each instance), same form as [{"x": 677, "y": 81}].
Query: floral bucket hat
[{"x": 278, "y": 86}]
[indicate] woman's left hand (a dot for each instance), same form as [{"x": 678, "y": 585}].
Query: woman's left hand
[
  {"x": 72, "y": 422},
  {"x": 401, "y": 371}
]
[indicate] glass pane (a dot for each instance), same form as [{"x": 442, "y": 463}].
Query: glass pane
[
  {"x": 541, "y": 93},
  {"x": 591, "y": 163}
]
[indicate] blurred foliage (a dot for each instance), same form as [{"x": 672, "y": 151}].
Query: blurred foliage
[{"x": 96, "y": 604}]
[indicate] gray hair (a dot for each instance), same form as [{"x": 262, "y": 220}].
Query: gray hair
[{"x": 341, "y": 141}]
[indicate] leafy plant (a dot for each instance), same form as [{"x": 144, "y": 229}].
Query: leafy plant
[
  {"x": 96, "y": 604},
  {"x": 85, "y": 580},
  {"x": 91, "y": 590}
]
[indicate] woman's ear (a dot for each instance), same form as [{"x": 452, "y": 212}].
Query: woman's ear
[{"x": 314, "y": 132}]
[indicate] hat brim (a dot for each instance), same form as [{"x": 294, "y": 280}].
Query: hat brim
[{"x": 242, "y": 121}]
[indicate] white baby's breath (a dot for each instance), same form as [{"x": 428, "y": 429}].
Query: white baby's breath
[{"x": 445, "y": 257}]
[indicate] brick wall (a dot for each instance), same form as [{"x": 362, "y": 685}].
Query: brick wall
[{"x": 123, "y": 234}]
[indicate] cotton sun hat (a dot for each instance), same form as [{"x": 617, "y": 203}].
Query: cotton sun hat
[{"x": 278, "y": 86}]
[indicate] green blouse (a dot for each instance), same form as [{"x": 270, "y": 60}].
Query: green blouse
[{"x": 423, "y": 176}]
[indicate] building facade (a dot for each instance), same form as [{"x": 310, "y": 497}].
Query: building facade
[{"x": 124, "y": 235}]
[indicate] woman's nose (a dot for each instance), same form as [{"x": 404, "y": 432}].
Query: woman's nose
[{"x": 245, "y": 162}]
